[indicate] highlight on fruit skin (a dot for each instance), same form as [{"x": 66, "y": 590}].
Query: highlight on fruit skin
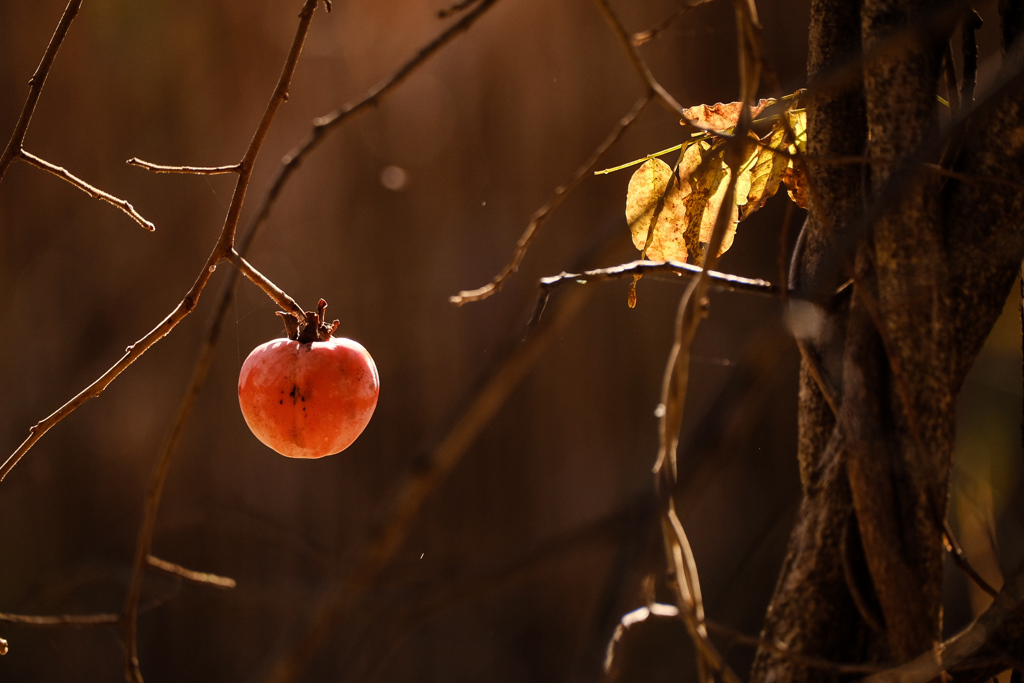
[{"x": 309, "y": 395}]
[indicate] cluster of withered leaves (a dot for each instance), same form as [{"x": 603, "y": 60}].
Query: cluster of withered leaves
[{"x": 690, "y": 202}]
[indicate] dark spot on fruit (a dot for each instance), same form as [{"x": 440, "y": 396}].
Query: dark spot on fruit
[{"x": 282, "y": 400}]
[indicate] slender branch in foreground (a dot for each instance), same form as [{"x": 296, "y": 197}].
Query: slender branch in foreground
[
  {"x": 35, "y": 86},
  {"x": 543, "y": 213},
  {"x": 204, "y": 578},
  {"x": 720, "y": 281},
  {"x": 85, "y": 187},
  {"x": 692, "y": 310},
  {"x": 639, "y": 65},
  {"x": 197, "y": 170}
]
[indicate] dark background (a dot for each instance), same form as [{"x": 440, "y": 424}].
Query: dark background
[{"x": 513, "y": 571}]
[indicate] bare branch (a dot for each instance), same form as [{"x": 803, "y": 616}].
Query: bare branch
[
  {"x": 543, "y": 213},
  {"x": 85, "y": 187},
  {"x": 223, "y": 250},
  {"x": 721, "y": 281},
  {"x": 263, "y": 282},
  {"x": 35, "y": 86},
  {"x": 650, "y": 34},
  {"x": 960, "y": 558},
  {"x": 189, "y": 574},
  {"x": 639, "y": 65},
  {"x": 325, "y": 124},
  {"x": 61, "y": 620},
  {"x": 454, "y": 9},
  {"x": 197, "y": 170}
]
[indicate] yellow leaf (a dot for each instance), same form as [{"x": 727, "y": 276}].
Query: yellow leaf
[
  {"x": 647, "y": 188},
  {"x": 767, "y": 171},
  {"x": 687, "y": 201},
  {"x": 798, "y": 123}
]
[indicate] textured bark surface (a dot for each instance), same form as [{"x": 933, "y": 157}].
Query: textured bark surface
[{"x": 931, "y": 261}]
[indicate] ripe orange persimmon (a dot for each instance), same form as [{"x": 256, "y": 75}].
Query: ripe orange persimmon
[{"x": 309, "y": 395}]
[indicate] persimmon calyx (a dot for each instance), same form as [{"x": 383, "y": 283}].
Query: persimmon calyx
[{"x": 310, "y": 327}]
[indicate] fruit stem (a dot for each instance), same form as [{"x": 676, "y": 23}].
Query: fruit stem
[{"x": 310, "y": 327}]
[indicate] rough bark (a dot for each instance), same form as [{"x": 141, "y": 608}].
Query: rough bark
[{"x": 932, "y": 260}]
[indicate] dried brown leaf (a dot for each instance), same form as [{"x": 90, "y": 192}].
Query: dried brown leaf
[
  {"x": 796, "y": 185},
  {"x": 721, "y": 116}
]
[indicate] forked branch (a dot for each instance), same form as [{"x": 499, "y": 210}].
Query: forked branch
[{"x": 35, "y": 86}]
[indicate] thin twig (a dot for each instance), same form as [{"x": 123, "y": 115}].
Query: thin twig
[
  {"x": 85, "y": 187},
  {"x": 637, "y": 61},
  {"x": 263, "y": 282},
  {"x": 325, "y": 124},
  {"x": 197, "y": 170},
  {"x": 224, "y": 249},
  {"x": 543, "y": 213},
  {"x": 454, "y": 9},
  {"x": 650, "y": 34},
  {"x": 721, "y": 281},
  {"x": 61, "y": 620},
  {"x": 204, "y": 578},
  {"x": 35, "y": 86},
  {"x": 960, "y": 559}
]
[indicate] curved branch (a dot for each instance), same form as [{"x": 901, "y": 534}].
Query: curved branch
[
  {"x": 637, "y": 61},
  {"x": 543, "y": 213}
]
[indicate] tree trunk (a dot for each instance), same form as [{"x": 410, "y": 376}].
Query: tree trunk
[{"x": 903, "y": 270}]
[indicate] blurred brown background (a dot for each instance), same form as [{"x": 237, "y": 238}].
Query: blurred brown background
[{"x": 522, "y": 561}]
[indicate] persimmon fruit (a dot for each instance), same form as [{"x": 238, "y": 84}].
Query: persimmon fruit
[{"x": 311, "y": 394}]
